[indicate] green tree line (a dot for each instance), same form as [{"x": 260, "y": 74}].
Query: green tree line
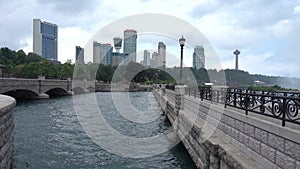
[{"x": 21, "y": 65}]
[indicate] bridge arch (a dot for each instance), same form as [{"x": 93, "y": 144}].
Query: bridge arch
[
  {"x": 91, "y": 88},
  {"x": 22, "y": 94},
  {"x": 78, "y": 90},
  {"x": 57, "y": 92}
]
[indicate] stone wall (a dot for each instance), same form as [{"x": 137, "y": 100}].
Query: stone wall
[
  {"x": 6, "y": 131},
  {"x": 236, "y": 140}
]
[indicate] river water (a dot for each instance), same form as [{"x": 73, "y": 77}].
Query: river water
[{"x": 48, "y": 135}]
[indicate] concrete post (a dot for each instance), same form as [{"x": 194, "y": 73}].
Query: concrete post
[{"x": 179, "y": 97}]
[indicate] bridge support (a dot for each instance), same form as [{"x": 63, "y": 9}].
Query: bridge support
[
  {"x": 43, "y": 96},
  {"x": 70, "y": 93}
]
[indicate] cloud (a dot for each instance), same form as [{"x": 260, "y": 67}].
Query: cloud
[
  {"x": 255, "y": 27},
  {"x": 69, "y": 7}
]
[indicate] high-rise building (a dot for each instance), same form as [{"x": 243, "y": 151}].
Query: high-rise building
[
  {"x": 156, "y": 59},
  {"x": 152, "y": 63},
  {"x": 198, "y": 57},
  {"x": 119, "y": 58},
  {"x": 102, "y": 53},
  {"x": 162, "y": 53},
  {"x": 45, "y": 39},
  {"x": 130, "y": 41},
  {"x": 79, "y": 55},
  {"x": 147, "y": 58}
]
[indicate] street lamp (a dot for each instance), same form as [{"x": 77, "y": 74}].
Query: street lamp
[{"x": 181, "y": 42}]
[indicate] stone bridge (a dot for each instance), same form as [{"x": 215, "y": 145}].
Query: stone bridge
[{"x": 39, "y": 88}]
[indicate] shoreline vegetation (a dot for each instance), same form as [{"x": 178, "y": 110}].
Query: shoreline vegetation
[{"x": 18, "y": 64}]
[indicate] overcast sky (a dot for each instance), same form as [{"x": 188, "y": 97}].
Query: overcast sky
[{"x": 265, "y": 31}]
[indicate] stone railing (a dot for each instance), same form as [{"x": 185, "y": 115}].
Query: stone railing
[
  {"x": 6, "y": 131},
  {"x": 237, "y": 140}
]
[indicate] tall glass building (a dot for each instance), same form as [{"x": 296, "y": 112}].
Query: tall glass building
[
  {"x": 162, "y": 53},
  {"x": 102, "y": 53},
  {"x": 45, "y": 39},
  {"x": 198, "y": 57},
  {"x": 130, "y": 40},
  {"x": 147, "y": 58},
  {"x": 79, "y": 55}
]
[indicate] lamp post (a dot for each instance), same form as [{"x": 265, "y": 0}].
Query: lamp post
[{"x": 181, "y": 42}]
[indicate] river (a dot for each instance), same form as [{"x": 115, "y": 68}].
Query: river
[{"x": 48, "y": 135}]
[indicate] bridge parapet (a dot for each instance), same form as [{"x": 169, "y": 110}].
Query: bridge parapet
[
  {"x": 9, "y": 84},
  {"x": 36, "y": 88}
]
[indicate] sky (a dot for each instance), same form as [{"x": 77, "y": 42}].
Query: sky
[{"x": 265, "y": 31}]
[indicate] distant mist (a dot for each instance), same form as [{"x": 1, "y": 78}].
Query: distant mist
[{"x": 287, "y": 82}]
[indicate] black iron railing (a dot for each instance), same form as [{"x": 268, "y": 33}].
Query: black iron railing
[{"x": 284, "y": 106}]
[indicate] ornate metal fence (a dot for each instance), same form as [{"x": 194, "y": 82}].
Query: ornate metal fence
[{"x": 284, "y": 106}]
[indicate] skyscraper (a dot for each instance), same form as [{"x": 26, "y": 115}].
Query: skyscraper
[
  {"x": 102, "y": 53},
  {"x": 162, "y": 53},
  {"x": 130, "y": 38},
  {"x": 45, "y": 39},
  {"x": 156, "y": 59},
  {"x": 146, "y": 58},
  {"x": 198, "y": 57},
  {"x": 79, "y": 55}
]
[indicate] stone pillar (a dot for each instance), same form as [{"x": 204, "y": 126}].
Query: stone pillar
[
  {"x": 6, "y": 135},
  {"x": 43, "y": 96},
  {"x": 179, "y": 97},
  {"x": 163, "y": 98},
  {"x": 41, "y": 77},
  {"x": 70, "y": 93},
  {"x": 69, "y": 87},
  {"x": 163, "y": 89},
  {"x": 85, "y": 86}
]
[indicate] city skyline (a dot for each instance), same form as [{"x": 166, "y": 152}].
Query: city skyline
[{"x": 266, "y": 43}]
